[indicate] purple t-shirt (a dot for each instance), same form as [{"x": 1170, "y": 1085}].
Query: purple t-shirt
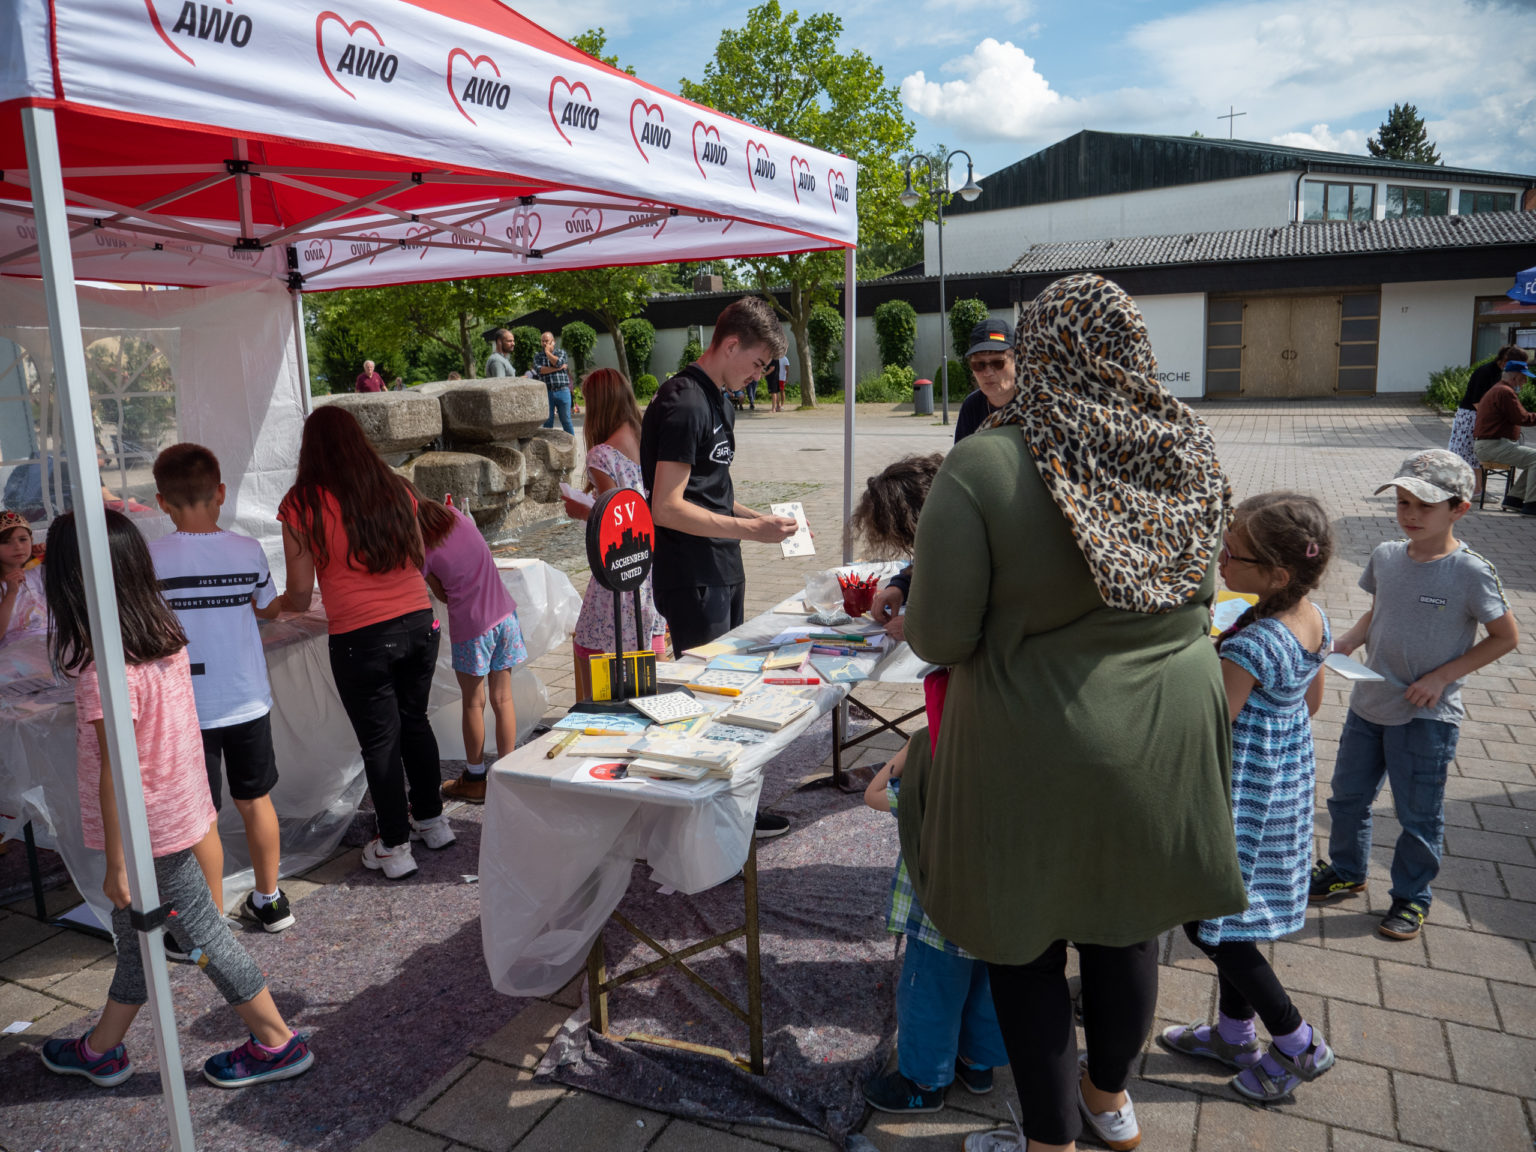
[{"x": 477, "y": 599}]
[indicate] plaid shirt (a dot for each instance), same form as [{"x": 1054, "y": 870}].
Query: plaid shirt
[
  {"x": 558, "y": 379},
  {"x": 907, "y": 916}
]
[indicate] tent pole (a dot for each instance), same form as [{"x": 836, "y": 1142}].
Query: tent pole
[
  {"x": 96, "y": 568},
  {"x": 849, "y": 388},
  {"x": 301, "y": 342}
]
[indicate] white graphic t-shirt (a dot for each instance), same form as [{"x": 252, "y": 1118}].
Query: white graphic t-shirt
[{"x": 209, "y": 579}]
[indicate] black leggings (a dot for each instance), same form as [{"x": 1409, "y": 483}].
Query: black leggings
[
  {"x": 1247, "y": 984},
  {"x": 1034, "y": 1011}
]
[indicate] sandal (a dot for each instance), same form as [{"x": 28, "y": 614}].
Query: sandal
[
  {"x": 1206, "y": 1041},
  {"x": 1259, "y": 1083}
]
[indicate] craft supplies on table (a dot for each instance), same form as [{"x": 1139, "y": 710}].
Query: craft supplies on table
[
  {"x": 670, "y": 707},
  {"x": 677, "y": 671},
  {"x": 713, "y": 678},
  {"x": 736, "y": 662},
  {"x": 767, "y": 708}
]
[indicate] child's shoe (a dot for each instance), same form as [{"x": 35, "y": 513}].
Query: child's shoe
[
  {"x": 1278, "y": 1075},
  {"x": 1326, "y": 884},
  {"x": 893, "y": 1092},
  {"x": 1116, "y": 1129},
  {"x": 469, "y": 787},
  {"x": 1404, "y": 920},
  {"x": 396, "y": 863},
  {"x": 434, "y": 833},
  {"x": 68, "y": 1058},
  {"x": 973, "y": 1077},
  {"x": 1009, "y": 1139},
  {"x": 251, "y": 1064},
  {"x": 1205, "y": 1041},
  {"x": 273, "y": 916}
]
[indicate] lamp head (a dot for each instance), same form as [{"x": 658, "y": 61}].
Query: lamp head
[
  {"x": 909, "y": 198},
  {"x": 971, "y": 190}
]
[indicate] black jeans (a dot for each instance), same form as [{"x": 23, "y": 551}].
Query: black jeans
[
  {"x": 1034, "y": 1011},
  {"x": 384, "y": 674},
  {"x": 1247, "y": 984},
  {"x": 698, "y": 615}
]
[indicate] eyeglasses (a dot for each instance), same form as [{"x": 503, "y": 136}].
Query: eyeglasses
[
  {"x": 1228, "y": 555},
  {"x": 990, "y": 364}
]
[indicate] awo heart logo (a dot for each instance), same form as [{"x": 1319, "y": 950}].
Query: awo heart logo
[
  {"x": 576, "y": 113},
  {"x": 524, "y": 232},
  {"x": 315, "y": 256},
  {"x": 837, "y": 187},
  {"x": 414, "y": 238},
  {"x": 462, "y": 241},
  {"x": 759, "y": 163},
  {"x": 206, "y": 22},
  {"x": 653, "y": 132},
  {"x": 585, "y": 223},
  {"x": 375, "y": 242},
  {"x": 364, "y": 62},
  {"x": 715, "y": 220},
  {"x": 478, "y": 91},
  {"x": 713, "y": 152},
  {"x": 194, "y": 253},
  {"x": 800, "y": 177},
  {"x": 650, "y": 215}
]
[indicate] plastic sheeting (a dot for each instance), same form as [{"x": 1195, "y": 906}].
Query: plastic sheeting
[
  {"x": 320, "y": 773},
  {"x": 554, "y": 863}
]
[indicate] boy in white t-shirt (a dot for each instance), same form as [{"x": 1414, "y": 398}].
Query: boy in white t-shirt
[{"x": 213, "y": 580}]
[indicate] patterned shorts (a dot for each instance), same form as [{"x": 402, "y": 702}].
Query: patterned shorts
[{"x": 500, "y": 648}]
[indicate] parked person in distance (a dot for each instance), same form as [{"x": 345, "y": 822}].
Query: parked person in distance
[
  {"x": 368, "y": 380},
  {"x": 179, "y": 810},
  {"x": 778, "y": 380},
  {"x": 1483, "y": 377},
  {"x": 350, "y": 522},
  {"x": 1277, "y": 549},
  {"x": 1429, "y": 594},
  {"x": 1497, "y": 432},
  {"x": 217, "y": 583},
  {"x": 612, "y": 432},
  {"x": 483, "y": 629}
]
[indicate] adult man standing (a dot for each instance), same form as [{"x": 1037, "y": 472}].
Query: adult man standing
[
  {"x": 499, "y": 362},
  {"x": 778, "y": 377},
  {"x": 368, "y": 380},
  {"x": 554, "y": 368},
  {"x": 1496, "y": 435},
  {"x": 990, "y": 357},
  {"x": 687, "y": 444}
]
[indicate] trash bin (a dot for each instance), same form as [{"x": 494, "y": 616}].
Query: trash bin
[{"x": 922, "y": 397}]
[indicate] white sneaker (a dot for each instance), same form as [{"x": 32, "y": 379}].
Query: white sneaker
[
  {"x": 396, "y": 863},
  {"x": 1009, "y": 1139},
  {"x": 1117, "y": 1130},
  {"x": 435, "y": 833}
]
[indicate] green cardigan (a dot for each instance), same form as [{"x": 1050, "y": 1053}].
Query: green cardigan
[{"x": 1081, "y": 785}]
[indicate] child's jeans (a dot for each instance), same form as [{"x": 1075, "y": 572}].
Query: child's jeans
[
  {"x": 1414, "y": 757},
  {"x": 943, "y": 1010}
]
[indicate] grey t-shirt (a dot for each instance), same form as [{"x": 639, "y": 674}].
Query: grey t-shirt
[
  {"x": 498, "y": 365},
  {"x": 1426, "y": 615}
]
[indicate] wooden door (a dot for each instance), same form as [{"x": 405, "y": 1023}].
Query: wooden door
[
  {"x": 1290, "y": 346},
  {"x": 1315, "y": 342},
  {"x": 1266, "y": 338}
]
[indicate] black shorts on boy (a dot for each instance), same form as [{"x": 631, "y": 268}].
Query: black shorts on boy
[{"x": 243, "y": 753}]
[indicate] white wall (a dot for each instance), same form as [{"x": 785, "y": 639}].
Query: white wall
[
  {"x": 1176, "y": 327},
  {"x": 1425, "y": 326},
  {"x": 992, "y": 241}
]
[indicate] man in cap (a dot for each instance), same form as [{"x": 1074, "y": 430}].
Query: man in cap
[{"x": 1496, "y": 435}]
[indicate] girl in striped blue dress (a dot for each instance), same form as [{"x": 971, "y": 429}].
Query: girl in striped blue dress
[{"x": 1271, "y": 660}]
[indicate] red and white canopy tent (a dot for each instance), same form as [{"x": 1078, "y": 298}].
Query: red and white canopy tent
[{"x": 373, "y": 142}]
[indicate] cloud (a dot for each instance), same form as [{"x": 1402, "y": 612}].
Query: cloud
[
  {"x": 1324, "y": 139},
  {"x": 999, "y": 92}
]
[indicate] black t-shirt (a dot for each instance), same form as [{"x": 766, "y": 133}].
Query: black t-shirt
[
  {"x": 1482, "y": 379},
  {"x": 691, "y": 422},
  {"x": 973, "y": 411}
]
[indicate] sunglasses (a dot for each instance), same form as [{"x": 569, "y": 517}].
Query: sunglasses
[
  {"x": 1228, "y": 555},
  {"x": 989, "y": 364}
]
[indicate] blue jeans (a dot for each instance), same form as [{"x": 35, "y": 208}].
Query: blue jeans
[
  {"x": 559, "y": 404},
  {"x": 1414, "y": 757},
  {"x": 943, "y": 1010}
]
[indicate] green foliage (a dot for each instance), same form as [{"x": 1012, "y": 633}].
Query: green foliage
[
  {"x": 1403, "y": 135},
  {"x": 787, "y": 74},
  {"x": 527, "y": 340},
  {"x": 1447, "y": 387},
  {"x": 959, "y": 383},
  {"x": 825, "y": 330},
  {"x": 691, "y": 352},
  {"x": 592, "y": 42},
  {"x": 895, "y": 332},
  {"x": 646, "y": 386},
  {"x": 578, "y": 339},
  {"x": 964, "y": 315},
  {"x": 639, "y": 340},
  {"x": 892, "y": 385}
]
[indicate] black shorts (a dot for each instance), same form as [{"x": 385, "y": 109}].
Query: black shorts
[
  {"x": 699, "y": 615},
  {"x": 247, "y": 756}
]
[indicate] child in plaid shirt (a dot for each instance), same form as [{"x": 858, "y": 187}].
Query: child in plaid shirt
[{"x": 946, "y": 1025}]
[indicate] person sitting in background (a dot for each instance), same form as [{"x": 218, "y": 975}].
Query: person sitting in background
[
  {"x": 1496, "y": 435},
  {"x": 1483, "y": 377}
]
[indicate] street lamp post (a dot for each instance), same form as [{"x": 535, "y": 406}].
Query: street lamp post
[{"x": 936, "y": 184}]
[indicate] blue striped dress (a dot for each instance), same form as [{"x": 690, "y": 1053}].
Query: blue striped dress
[{"x": 1273, "y": 778}]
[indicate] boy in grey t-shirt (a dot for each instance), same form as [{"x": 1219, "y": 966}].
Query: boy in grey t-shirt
[{"x": 1430, "y": 594}]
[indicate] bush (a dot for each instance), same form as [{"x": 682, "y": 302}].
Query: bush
[
  {"x": 895, "y": 333},
  {"x": 959, "y": 382},
  {"x": 825, "y": 328},
  {"x": 646, "y": 386},
  {"x": 527, "y": 340},
  {"x": 1447, "y": 387},
  {"x": 639, "y": 338},
  {"x": 691, "y": 352},
  {"x": 578, "y": 339},
  {"x": 963, "y": 318},
  {"x": 892, "y": 385}
]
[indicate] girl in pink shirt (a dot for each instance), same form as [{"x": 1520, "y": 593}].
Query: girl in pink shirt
[{"x": 179, "y": 810}]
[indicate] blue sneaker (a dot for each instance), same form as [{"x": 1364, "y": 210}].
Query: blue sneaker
[
  {"x": 67, "y": 1057},
  {"x": 251, "y": 1064}
]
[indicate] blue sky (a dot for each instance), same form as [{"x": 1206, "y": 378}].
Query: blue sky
[{"x": 1003, "y": 78}]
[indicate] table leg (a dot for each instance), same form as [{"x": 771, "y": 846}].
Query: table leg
[
  {"x": 754, "y": 963},
  {"x": 597, "y": 975},
  {"x": 839, "y": 723},
  {"x": 35, "y": 872}
]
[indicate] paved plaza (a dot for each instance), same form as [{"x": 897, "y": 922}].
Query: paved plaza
[{"x": 1436, "y": 1037}]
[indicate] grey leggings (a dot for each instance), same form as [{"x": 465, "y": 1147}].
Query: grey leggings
[{"x": 197, "y": 924}]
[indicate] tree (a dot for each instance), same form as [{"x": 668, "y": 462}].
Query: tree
[
  {"x": 447, "y": 314},
  {"x": 613, "y": 295},
  {"x": 895, "y": 333},
  {"x": 578, "y": 339},
  {"x": 1404, "y": 136},
  {"x": 526, "y": 341},
  {"x": 787, "y": 75},
  {"x": 639, "y": 341},
  {"x": 826, "y": 332},
  {"x": 964, "y": 315}
]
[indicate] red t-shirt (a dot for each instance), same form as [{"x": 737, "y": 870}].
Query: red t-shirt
[{"x": 355, "y": 597}]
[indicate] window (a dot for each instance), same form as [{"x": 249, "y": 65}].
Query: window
[
  {"x": 1322, "y": 201},
  {"x": 1403, "y": 201},
  {"x": 1224, "y": 347},
  {"x": 1474, "y": 202},
  {"x": 1359, "y": 331}
]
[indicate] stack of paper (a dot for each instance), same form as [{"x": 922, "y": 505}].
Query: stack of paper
[
  {"x": 669, "y": 707},
  {"x": 733, "y": 662},
  {"x": 840, "y": 669},
  {"x": 789, "y": 659},
  {"x": 769, "y": 709},
  {"x": 716, "y": 679},
  {"x": 668, "y": 770},
  {"x": 716, "y": 755},
  {"x": 676, "y": 672},
  {"x": 608, "y": 747}
]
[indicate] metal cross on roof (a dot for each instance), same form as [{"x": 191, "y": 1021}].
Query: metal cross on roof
[{"x": 1231, "y": 119}]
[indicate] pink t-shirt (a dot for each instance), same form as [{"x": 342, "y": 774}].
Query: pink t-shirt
[
  {"x": 477, "y": 599},
  {"x": 170, "y": 745}
]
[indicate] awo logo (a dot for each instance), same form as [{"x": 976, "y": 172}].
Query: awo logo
[
  {"x": 353, "y": 55},
  {"x": 760, "y": 165},
  {"x": 105, "y": 240},
  {"x": 524, "y": 232},
  {"x": 414, "y": 240},
  {"x": 369, "y": 244},
  {"x": 213, "y": 23},
  {"x": 653, "y": 131},
  {"x": 650, "y": 216},
  {"x": 314, "y": 256},
  {"x": 470, "y": 86},
  {"x": 800, "y": 178},
  {"x": 714, "y": 153},
  {"x": 585, "y": 223},
  {"x": 715, "y": 220},
  {"x": 576, "y": 115},
  {"x": 473, "y": 243},
  {"x": 837, "y": 187}
]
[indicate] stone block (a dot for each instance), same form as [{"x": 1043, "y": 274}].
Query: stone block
[
  {"x": 1457, "y": 1117},
  {"x": 551, "y": 457},
  {"x": 1441, "y": 995},
  {"x": 509, "y": 458},
  {"x": 393, "y": 421},
  {"x": 1395, "y": 1039},
  {"x": 560, "y": 446},
  {"x": 476, "y": 483},
  {"x": 1493, "y": 1060},
  {"x": 485, "y": 411},
  {"x": 491, "y": 1107}
]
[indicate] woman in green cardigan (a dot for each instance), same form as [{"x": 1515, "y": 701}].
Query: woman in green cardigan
[{"x": 1064, "y": 571}]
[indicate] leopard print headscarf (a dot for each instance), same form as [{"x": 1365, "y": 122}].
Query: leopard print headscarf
[{"x": 1132, "y": 469}]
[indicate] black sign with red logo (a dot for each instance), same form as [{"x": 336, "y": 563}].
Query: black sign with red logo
[{"x": 620, "y": 536}]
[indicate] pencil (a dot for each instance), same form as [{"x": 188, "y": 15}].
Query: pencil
[
  {"x": 603, "y": 732},
  {"x": 562, "y": 744},
  {"x": 715, "y": 690}
]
